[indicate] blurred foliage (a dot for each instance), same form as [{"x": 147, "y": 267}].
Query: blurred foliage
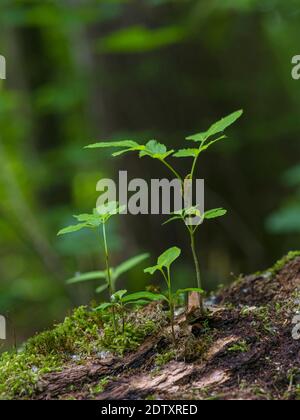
[{"x": 85, "y": 70}]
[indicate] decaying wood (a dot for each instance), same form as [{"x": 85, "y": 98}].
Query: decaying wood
[{"x": 235, "y": 353}]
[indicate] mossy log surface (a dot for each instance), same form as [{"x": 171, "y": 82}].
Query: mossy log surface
[{"x": 243, "y": 349}]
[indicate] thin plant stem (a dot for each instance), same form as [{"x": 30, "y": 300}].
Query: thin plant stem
[
  {"x": 110, "y": 289},
  {"x": 197, "y": 267},
  {"x": 171, "y": 307},
  {"x": 171, "y": 303},
  {"x": 174, "y": 172}
]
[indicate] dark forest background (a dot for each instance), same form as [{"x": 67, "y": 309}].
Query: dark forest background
[{"x": 80, "y": 71}]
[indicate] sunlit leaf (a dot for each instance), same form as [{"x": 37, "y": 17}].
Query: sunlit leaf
[
  {"x": 104, "y": 306},
  {"x": 207, "y": 145},
  {"x": 93, "y": 275},
  {"x": 155, "y": 150},
  {"x": 152, "y": 270},
  {"x": 138, "y": 39},
  {"x": 217, "y": 127},
  {"x": 213, "y": 214},
  {"x": 172, "y": 219},
  {"x": 84, "y": 217},
  {"x": 168, "y": 257},
  {"x": 189, "y": 289},
  {"x": 143, "y": 295},
  {"x": 72, "y": 229},
  {"x": 129, "y": 264},
  {"x": 127, "y": 144},
  {"x": 101, "y": 288},
  {"x": 183, "y": 153},
  {"x": 118, "y": 295}
]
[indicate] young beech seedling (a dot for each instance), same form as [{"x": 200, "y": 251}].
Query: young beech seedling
[
  {"x": 120, "y": 300},
  {"x": 98, "y": 219},
  {"x": 158, "y": 151},
  {"x": 163, "y": 265}
]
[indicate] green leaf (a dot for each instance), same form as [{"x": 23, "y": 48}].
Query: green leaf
[
  {"x": 72, "y": 229},
  {"x": 183, "y": 153},
  {"x": 101, "y": 288},
  {"x": 122, "y": 152},
  {"x": 104, "y": 306},
  {"x": 207, "y": 145},
  {"x": 172, "y": 219},
  {"x": 127, "y": 144},
  {"x": 189, "y": 289},
  {"x": 105, "y": 211},
  {"x": 117, "y": 296},
  {"x": 217, "y": 127},
  {"x": 129, "y": 264},
  {"x": 213, "y": 214},
  {"x": 155, "y": 150},
  {"x": 93, "y": 275},
  {"x": 152, "y": 270},
  {"x": 139, "y": 39},
  {"x": 143, "y": 295},
  {"x": 168, "y": 257},
  {"x": 84, "y": 217}
]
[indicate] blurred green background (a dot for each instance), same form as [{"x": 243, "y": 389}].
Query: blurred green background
[{"x": 84, "y": 70}]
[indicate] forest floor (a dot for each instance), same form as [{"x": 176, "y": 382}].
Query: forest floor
[{"x": 244, "y": 349}]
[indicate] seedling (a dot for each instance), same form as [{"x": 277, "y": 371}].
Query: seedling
[
  {"x": 163, "y": 265},
  {"x": 115, "y": 273},
  {"x": 98, "y": 219},
  {"x": 158, "y": 151},
  {"x": 120, "y": 300}
]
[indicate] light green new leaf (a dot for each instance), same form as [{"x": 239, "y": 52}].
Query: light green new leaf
[
  {"x": 172, "y": 219},
  {"x": 217, "y": 127},
  {"x": 101, "y": 288},
  {"x": 143, "y": 295},
  {"x": 84, "y": 217},
  {"x": 118, "y": 296},
  {"x": 213, "y": 214},
  {"x": 189, "y": 289},
  {"x": 183, "y": 153},
  {"x": 207, "y": 145},
  {"x": 155, "y": 150},
  {"x": 168, "y": 257},
  {"x": 123, "y": 152},
  {"x": 152, "y": 270},
  {"x": 104, "y": 212},
  {"x": 129, "y": 264},
  {"x": 127, "y": 144},
  {"x": 104, "y": 306},
  {"x": 93, "y": 275},
  {"x": 72, "y": 229}
]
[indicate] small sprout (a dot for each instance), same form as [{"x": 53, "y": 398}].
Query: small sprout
[
  {"x": 163, "y": 265},
  {"x": 98, "y": 219},
  {"x": 120, "y": 300}
]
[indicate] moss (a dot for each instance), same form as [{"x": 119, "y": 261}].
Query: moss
[
  {"x": 20, "y": 373},
  {"x": 164, "y": 358},
  {"x": 79, "y": 333},
  {"x": 47, "y": 352},
  {"x": 240, "y": 347},
  {"x": 82, "y": 334},
  {"x": 129, "y": 339},
  {"x": 279, "y": 265},
  {"x": 100, "y": 387}
]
